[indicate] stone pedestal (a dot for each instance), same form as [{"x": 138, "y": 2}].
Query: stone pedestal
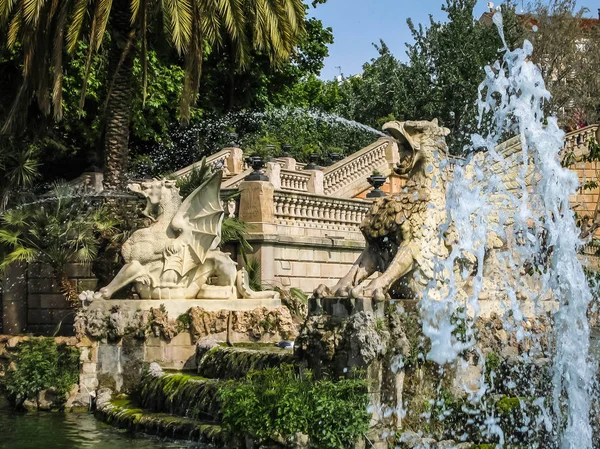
[
  {"x": 256, "y": 206},
  {"x": 341, "y": 335},
  {"x": 176, "y": 307}
]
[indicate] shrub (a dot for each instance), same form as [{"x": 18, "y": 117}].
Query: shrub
[
  {"x": 63, "y": 226},
  {"x": 41, "y": 364},
  {"x": 277, "y": 403}
]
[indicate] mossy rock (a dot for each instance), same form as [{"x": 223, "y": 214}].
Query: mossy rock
[
  {"x": 234, "y": 363},
  {"x": 124, "y": 413}
]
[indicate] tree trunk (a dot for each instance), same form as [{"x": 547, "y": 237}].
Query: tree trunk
[{"x": 118, "y": 105}]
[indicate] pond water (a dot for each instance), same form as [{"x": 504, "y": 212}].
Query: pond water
[{"x": 70, "y": 431}]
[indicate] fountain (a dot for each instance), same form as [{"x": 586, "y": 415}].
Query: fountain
[
  {"x": 466, "y": 305},
  {"x": 470, "y": 251}
]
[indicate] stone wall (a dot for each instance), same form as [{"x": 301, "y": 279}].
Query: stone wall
[{"x": 47, "y": 307}]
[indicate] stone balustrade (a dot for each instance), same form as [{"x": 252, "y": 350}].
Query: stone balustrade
[
  {"x": 315, "y": 211},
  {"x": 231, "y": 160},
  {"x": 295, "y": 180},
  {"x": 578, "y": 141},
  {"x": 380, "y": 156}
]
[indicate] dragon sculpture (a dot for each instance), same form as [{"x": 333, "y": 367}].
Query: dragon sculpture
[
  {"x": 177, "y": 256},
  {"x": 402, "y": 232}
]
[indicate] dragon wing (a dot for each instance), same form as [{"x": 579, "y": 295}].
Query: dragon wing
[{"x": 198, "y": 225}]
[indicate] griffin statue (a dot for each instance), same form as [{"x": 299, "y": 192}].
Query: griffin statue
[
  {"x": 402, "y": 231},
  {"x": 177, "y": 256}
]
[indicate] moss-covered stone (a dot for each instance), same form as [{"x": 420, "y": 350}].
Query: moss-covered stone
[
  {"x": 182, "y": 395},
  {"x": 124, "y": 413},
  {"x": 234, "y": 363}
]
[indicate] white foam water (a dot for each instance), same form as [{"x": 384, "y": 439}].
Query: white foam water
[{"x": 536, "y": 221}]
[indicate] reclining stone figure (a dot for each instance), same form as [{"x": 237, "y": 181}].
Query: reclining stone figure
[{"x": 177, "y": 256}]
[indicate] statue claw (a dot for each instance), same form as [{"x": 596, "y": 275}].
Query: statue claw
[
  {"x": 321, "y": 291},
  {"x": 378, "y": 294},
  {"x": 356, "y": 292},
  {"x": 342, "y": 292},
  {"x": 101, "y": 294}
]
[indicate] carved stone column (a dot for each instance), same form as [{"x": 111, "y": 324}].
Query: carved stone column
[
  {"x": 256, "y": 204},
  {"x": 257, "y": 208},
  {"x": 315, "y": 183},
  {"x": 273, "y": 172},
  {"x": 14, "y": 300},
  {"x": 235, "y": 162}
]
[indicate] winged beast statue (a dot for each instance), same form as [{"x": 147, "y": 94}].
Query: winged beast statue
[{"x": 177, "y": 256}]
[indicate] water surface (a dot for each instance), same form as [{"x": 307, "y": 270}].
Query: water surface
[{"x": 48, "y": 430}]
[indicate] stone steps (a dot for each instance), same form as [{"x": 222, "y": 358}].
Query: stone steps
[
  {"x": 185, "y": 406},
  {"x": 181, "y": 395},
  {"x": 124, "y": 413}
]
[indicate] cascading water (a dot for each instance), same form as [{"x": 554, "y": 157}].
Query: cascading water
[{"x": 535, "y": 221}]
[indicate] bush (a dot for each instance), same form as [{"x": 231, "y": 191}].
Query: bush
[
  {"x": 277, "y": 403},
  {"x": 41, "y": 364}
]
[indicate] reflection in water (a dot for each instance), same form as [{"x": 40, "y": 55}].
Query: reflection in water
[{"x": 70, "y": 431}]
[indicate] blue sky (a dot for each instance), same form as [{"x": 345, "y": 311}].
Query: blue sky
[{"x": 357, "y": 24}]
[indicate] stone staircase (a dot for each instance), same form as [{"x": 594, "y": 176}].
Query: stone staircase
[{"x": 185, "y": 405}]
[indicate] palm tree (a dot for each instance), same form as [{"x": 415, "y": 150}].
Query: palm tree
[{"x": 47, "y": 29}]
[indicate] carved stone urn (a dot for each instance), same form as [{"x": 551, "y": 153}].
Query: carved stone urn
[
  {"x": 376, "y": 181},
  {"x": 257, "y": 165}
]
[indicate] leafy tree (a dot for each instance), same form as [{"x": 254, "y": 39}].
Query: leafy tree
[
  {"x": 46, "y": 29},
  {"x": 380, "y": 91},
  {"x": 566, "y": 47},
  {"x": 226, "y": 88},
  {"x": 441, "y": 78}
]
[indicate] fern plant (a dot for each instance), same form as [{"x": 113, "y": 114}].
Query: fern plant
[{"x": 62, "y": 227}]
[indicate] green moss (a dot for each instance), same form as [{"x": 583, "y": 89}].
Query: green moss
[
  {"x": 506, "y": 405},
  {"x": 234, "y": 363},
  {"x": 125, "y": 413}
]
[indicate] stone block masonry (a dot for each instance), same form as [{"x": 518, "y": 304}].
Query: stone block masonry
[{"x": 47, "y": 307}]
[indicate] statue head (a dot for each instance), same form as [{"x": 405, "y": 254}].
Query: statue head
[
  {"x": 157, "y": 193},
  {"x": 419, "y": 142}
]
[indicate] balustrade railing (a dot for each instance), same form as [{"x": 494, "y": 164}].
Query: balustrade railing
[
  {"x": 577, "y": 142},
  {"x": 316, "y": 211},
  {"x": 358, "y": 166},
  {"x": 294, "y": 180}
]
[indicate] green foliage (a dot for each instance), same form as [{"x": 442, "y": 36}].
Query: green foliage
[
  {"x": 492, "y": 363},
  {"x": 153, "y": 115},
  {"x": 62, "y": 227},
  {"x": 253, "y": 267},
  {"x": 19, "y": 166},
  {"x": 184, "y": 321},
  {"x": 41, "y": 364},
  {"x": 234, "y": 230},
  {"x": 198, "y": 176},
  {"x": 280, "y": 402},
  {"x": 441, "y": 78}
]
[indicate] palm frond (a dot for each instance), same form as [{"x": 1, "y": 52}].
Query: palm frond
[
  {"x": 19, "y": 254},
  {"x": 178, "y": 16},
  {"x": 80, "y": 11},
  {"x": 31, "y": 10},
  {"x": 13, "y": 29},
  {"x": 57, "y": 57},
  {"x": 102, "y": 14},
  {"x": 88, "y": 61},
  {"x": 193, "y": 67},
  {"x": 6, "y": 8}
]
